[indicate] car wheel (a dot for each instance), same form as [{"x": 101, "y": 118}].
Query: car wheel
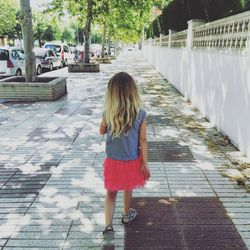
[
  {"x": 51, "y": 67},
  {"x": 18, "y": 72},
  {"x": 39, "y": 70}
]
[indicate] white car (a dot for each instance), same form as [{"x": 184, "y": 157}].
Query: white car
[
  {"x": 12, "y": 61},
  {"x": 63, "y": 50}
]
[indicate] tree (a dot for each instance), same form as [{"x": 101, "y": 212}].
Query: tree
[
  {"x": 16, "y": 32},
  {"x": 46, "y": 28},
  {"x": 87, "y": 29},
  {"x": 40, "y": 26},
  {"x": 26, "y": 23},
  {"x": 7, "y": 16},
  {"x": 245, "y": 4},
  {"x": 83, "y": 11},
  {"x": 124, "y": 19},
  {"x": 177, "y": 13},
  {"x": 217, "y": 9},
  {"x": 95, "y": 37},
  {"x": 68, "y": 35}
]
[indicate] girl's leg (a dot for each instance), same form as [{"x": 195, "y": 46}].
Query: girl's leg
[
  {"x": 109, "y": 206},
  {"x": 127, "y": 198}
]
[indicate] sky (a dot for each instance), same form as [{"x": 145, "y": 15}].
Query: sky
[{"x": 38, "y": 4}]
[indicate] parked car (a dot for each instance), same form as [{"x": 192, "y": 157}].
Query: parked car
[
  {"x": 79, "y": 53},
  {"x": 49, "y": 59},
  {"x": 12, "y": 61},
  {"x": 63, "y": 50}
]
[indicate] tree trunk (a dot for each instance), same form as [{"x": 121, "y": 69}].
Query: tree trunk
[
  {"x": 87, "y": 31},
  {"x": 26, "y": 24},
  {"x": 115, "y": 49},
  {"x": 109, "y": 48},
  {"x": 103, "y": 39}
]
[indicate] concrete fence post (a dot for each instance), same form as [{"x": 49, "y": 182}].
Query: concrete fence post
[
  {"x": 191, "y": 25},
  {"x": 248, "y": 62},
  {"x": 248, "y": 45},
  {"x": 169, "y": 38}
]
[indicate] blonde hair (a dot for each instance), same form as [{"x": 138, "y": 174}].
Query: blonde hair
[{"x": 122, "y": 103}]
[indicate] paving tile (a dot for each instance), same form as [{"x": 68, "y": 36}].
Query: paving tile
[
  {"x": 159, "y": 120},
  {"x": 2, "y": 242},
  {"x": 42, "y": 243},
  {"x": 168, "y": 151},
  {"x": 30, "y": 248},
  {"x": 94, "y": 243},
  {"x": 179, "y": 221},
  {"x": 46, "y": 235},
  {"x": 43, "y": 228}
]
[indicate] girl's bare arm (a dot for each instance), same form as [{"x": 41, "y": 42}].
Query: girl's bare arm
[
  {"x": 144, "y": 149},
  {"x": 103, "y": 128}
]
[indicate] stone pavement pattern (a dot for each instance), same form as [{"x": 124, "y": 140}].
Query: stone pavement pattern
[{"x": 52, "y": 195}]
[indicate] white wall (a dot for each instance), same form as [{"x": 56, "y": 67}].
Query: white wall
[{"x": 216, "y": 82}]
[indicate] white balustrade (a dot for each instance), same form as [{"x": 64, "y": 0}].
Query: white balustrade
[
  {"x": 179, "y": 39},
  {"x": 164, "y": 40},
  {"x": 228, "y": 33}
]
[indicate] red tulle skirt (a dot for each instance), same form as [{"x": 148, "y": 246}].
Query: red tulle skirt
[{"x": 123, "y": 175}]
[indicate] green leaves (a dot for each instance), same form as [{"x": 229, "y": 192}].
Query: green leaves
[
  {"x": 7, "y": 16},
  {"x": 46, "y": 28},
  {"x": 124, "y": 18},
  {"x": 176, "y": 13}
]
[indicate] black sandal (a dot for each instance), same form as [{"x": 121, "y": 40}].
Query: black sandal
[
  {"x": 108, "y": 228},
  {"x": 108, "y": 238}
]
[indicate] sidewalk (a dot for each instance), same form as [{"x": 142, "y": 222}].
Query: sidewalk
[{"x": 52, "y": 195}]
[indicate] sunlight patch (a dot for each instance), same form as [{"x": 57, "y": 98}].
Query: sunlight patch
[
  {"x": 206, "y": 166},
  {"x": 29, "y": 168},
  {"x": 185, "y": 193}
]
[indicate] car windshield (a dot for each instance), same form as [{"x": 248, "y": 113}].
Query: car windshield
[
  {"x": 4, "y": 55},
  {"x": 55, "y": 48}
]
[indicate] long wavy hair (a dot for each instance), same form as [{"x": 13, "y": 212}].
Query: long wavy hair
[{"x": 122, "y": 103}]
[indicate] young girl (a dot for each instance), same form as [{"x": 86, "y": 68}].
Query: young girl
[{"x": 125, "y": 167}]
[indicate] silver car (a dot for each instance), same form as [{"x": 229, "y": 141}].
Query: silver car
[
  {"x": 12, "y": 61},
  {"x": 49, "y": 60}
]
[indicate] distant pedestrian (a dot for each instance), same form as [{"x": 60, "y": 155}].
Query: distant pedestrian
[
  {"x": 82, "y": 56},
  {"x": 125, "y": 167}
]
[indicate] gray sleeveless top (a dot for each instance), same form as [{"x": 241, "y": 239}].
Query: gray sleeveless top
[{"x": 126, "y": 146}]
